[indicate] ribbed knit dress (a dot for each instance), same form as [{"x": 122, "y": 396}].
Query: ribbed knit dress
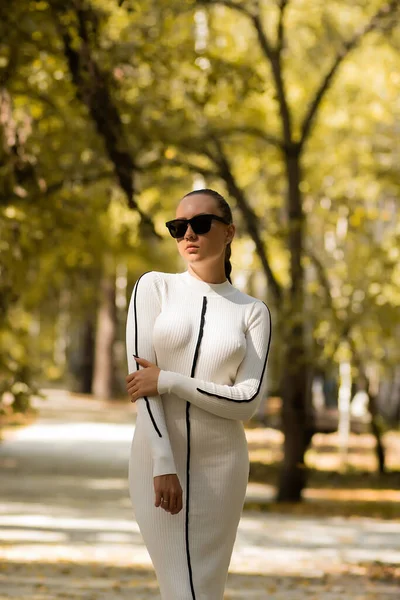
[{"x": 211, "y": 342}]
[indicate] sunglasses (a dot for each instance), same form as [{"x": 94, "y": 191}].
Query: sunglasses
[{"x": 200, "y": 224}]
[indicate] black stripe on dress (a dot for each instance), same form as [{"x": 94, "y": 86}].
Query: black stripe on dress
[
  {"x": 261, "y": 376},
  {"x": 196, "y": 354},
  {"x": 137, "y": 354}
]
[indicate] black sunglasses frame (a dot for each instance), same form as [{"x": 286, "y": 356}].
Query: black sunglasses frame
[{"x": 192, "y": 222}]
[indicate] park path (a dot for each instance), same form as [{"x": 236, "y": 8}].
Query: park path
[{"x": 67, "y": 528}]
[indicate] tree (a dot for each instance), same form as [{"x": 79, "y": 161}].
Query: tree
[
  {"x": 289, "y": 136},
  {"x": 128, "y": 103}
]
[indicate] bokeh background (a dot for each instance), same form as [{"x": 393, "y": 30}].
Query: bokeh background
[{"x": 110, "y": 111}]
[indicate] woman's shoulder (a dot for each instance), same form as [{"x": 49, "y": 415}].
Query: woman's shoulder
[
  {"x": 154, "y": 275},
  {"x": 254, "y": 308},
  {"x": 163, "y": 276},
  {"x": 251, "y": 301},
  {"x": 158, "y": 279}
]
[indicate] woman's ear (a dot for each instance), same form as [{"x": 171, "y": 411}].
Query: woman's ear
[{"x": 230, "y": 233}]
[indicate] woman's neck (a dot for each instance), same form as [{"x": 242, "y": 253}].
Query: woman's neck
[{"x": 207, "y": 274}]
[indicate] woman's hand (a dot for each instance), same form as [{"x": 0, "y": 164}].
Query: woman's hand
[
  {"x": 168, "y": 493},
  {"x": 143, "y": 382}
]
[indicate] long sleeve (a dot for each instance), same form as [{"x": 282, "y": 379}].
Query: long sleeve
[
  {"x": 144, "y": 306},
  {"x": 240, "y": 400}
]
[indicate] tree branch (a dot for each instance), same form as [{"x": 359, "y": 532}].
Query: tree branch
[
  {"x": 252, "y": 131},
  {"x": 176, "y": 162},
  {"x": 322, "y": 277},
  {"x": 29, "y": 92},
  {"x": 272, "y": 55},
  {"x": 229, "y": 4},
  {"x": 93, "y": 89},
  {"x": 250, "y": 218},
  {"x": 59, "y": 185},
  {"x": 348, "y": 46},
  {"x": 86, "y": 180},
  {"x": 283, "y": 4},
  {"x": 324, "y": 280}
]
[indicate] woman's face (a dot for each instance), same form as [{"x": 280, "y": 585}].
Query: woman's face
[{"x": 208, "y": 247}]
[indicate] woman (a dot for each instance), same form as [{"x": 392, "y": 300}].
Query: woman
[{"x": 197, "y": 352}]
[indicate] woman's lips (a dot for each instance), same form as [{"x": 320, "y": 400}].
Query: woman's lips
[{"x": 192, "y": 248}]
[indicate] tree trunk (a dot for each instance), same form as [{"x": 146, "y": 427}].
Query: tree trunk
[
  {"x": 376, "y": 429},
  {"x": 344, "y": 400},
  {"x": 93, "y": 86},
  {"x": 298, "y": 434},
  {"x": 104, "y": 370},
  {"x": 377, "y": 433},
  {"x": 87, "y": 364},
  {"x": 296, "y": 414}
]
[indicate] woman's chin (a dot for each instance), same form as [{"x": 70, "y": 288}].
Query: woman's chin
[{"x": 193, "y": 257}]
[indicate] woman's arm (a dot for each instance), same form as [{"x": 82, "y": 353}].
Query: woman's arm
[
  {"x": 144, "y": 306},
  {"x": 238, "y": 401}
]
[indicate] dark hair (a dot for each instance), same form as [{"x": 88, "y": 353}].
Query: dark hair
[{"x": 227, "y": 214}]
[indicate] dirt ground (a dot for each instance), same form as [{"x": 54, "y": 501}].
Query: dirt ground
[{"x": 67, "y": 528}]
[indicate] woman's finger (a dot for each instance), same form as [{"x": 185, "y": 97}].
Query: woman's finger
[
  {"x": 172, "y": 503},
  {"x": 135, "y": 394},
  {"x": 179, "y": 503},
  {"x": 165, "y": 503},
  {"x": 131, "y": 385},
  {"x": 132, "y": 390},
  {"x": 177, "y": 506},
  {"x": 158, "y": 498}
]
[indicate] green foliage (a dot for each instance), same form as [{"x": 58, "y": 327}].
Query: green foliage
[{"x": 182, "y": 75}]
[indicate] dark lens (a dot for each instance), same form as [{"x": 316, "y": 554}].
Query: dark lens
[
  {"x": 201, "y": 224},
  {"x": 177, "y": 228}
]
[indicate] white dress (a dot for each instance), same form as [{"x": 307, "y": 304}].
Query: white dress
[{"x": 211, "y": 342}]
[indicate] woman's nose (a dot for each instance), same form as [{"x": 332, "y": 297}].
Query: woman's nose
[{"x": 189, "y": 232}]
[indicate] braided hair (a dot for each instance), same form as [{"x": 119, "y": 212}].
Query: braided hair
[{"x": 227, "y": 214}]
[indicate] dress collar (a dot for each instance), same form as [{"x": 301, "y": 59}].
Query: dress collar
[{"x": 208, "y": 289}]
